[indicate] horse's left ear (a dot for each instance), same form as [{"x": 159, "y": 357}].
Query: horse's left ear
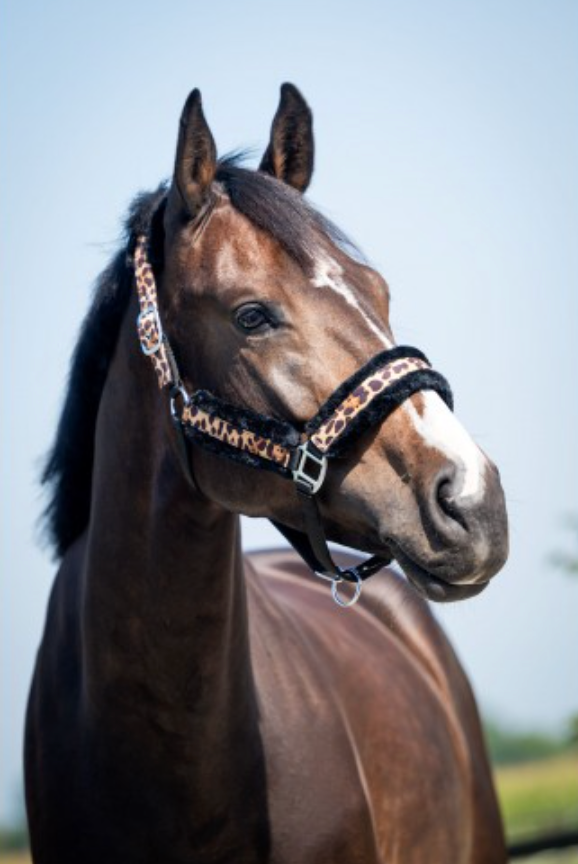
[
  {"x": 196, "y": 160},
  {"x": 289, "y": 156}
]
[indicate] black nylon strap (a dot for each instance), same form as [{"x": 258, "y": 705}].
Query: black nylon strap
[
  {"x": 300, "y": 542},
  {"x": 312, "y": 546},
  {"x": 315, "y": 532},
  {"x": 184, "y": 455}
]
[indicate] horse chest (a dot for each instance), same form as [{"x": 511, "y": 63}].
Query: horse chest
[{"x": 355, "y": 749}]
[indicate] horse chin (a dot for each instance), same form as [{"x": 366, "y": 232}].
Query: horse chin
[{"x": 432, "y": 587}]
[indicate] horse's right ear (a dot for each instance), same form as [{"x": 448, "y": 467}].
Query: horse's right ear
[
  {"x": 289, "y": 156},
  {"x": 196, "y": 160}
]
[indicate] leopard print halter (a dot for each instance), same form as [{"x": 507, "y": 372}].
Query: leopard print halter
[
  {"x": 381, "y": 385},
  {"x": 363, "y": 400}
]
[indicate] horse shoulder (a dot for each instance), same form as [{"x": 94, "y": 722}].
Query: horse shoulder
[{"x": 406, "y": 614}]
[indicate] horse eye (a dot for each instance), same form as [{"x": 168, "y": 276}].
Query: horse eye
[{"x": 253, "y": 316}]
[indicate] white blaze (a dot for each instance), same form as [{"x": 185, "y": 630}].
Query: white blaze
[
  {"x": 440, "y": 429},
  {"x": 226, "y": 263},
  {"x": 329, "y": 274}
]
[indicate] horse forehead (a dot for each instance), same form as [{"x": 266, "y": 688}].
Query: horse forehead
[{"x": 231, "y": 245}]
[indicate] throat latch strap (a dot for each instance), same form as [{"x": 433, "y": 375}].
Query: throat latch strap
[{"x": 308, "y": 476}]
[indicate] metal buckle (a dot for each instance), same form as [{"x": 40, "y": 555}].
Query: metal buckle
[
  {"x": 159, "y": 327},
  {"x": 303, "y": 473}
]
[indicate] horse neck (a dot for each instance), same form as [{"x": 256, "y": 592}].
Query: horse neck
[{"x": 164, "y": 600}]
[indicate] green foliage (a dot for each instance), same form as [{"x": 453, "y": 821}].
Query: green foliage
[
  {"x": 539, "y": 797},
  {"x": 13, "y": 839},
  {"x": 536, "y": 778},
  {"x": 572, "y": 730},
  {"x": 14, "y": 836},
  {"x": 509, "y": 747}
]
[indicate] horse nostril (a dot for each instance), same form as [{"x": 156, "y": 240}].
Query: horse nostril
[
  {"x": 446, "y": 498},
  {"x": 444, "y": 493}
]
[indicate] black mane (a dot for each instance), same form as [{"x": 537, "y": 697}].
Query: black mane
[
  {"x": 269, "y": 205},
  {"x": 68, "y": 469}
]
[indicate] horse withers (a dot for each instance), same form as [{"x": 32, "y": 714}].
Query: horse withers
[{"x": 190, "y": 703}]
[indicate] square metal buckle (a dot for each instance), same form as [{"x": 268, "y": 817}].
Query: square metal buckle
[
  {"x": 310, "y": 469},
  {"x": 148, "y": 312}
]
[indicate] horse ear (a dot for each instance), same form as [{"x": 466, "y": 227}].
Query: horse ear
[
  {"x": 289, "y": 156},
  {"x": 196, "y": 160}
]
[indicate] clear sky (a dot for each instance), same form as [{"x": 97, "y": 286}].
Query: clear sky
[{"x": 447, "y": 135}]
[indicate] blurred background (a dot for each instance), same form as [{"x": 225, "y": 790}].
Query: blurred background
[{"x": 446, "y": 137}]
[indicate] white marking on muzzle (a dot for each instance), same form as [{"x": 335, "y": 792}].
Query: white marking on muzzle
[
  {"x": 441, "y": 429},
  {"x": 329, "y": 274}
]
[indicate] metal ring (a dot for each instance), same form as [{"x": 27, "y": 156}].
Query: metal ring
[
  {"x": 344, "y": 603},
  {"x": 178, "y": 390}
]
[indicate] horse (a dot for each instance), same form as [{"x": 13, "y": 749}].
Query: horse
[{"x": 194, "y": 704}]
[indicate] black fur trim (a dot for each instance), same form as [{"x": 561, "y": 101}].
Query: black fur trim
[
  {"x": 337, "y": 397},
  {"x": 243, "y": 418},
  {"x": 281, "y": 433},
  {"x": 213, "y": 445},
  {"x": 385, "y": 402}
]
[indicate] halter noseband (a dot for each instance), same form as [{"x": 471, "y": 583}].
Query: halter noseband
[{"x": 303, "y": 456}]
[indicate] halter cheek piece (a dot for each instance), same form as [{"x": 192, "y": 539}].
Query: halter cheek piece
[{"x": 363, "y": 400}]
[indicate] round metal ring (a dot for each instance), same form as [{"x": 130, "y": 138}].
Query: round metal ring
[
  {"x": 178, "y": 391},
  {"x": 344, "y": 602}
]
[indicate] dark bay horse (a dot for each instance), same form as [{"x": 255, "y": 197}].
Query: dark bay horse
[{"x": 190, "y": 703}]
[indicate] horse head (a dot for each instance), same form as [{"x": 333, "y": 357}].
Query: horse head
[{"x": 267, "y": 306}]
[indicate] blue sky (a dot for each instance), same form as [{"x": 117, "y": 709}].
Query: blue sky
[{"x": 446, "y": 143}]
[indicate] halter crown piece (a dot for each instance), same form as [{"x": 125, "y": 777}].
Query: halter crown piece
[{"x": 364, "y": 399}]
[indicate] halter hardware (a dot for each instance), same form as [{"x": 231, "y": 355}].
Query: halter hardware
[
  {"x": 311, "y": 468},
  {"x": 337, "y": 580},
  {"x": 337, "y": 597},
  {"x": 176, "y": 391},
  {"x": 148, "y": 321},
  {"x": 364, "y": 399}
]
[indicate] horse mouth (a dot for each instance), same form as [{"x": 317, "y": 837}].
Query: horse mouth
[{"x": 432, "y": 587}]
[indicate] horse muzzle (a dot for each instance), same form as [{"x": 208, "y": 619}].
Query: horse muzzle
[{"x": 462, "y": 542}]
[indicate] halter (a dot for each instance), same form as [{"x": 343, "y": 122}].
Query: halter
[{"x": 303, "y": 456}]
